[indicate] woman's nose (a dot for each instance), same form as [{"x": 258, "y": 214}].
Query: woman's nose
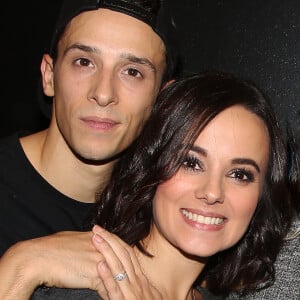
[{"x": 211, "y": 190}]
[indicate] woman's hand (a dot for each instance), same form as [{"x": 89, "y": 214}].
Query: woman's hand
[{"x": 119, "y": 258}]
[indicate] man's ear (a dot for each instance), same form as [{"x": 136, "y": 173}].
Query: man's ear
[
  {"x": 167, "y": 84},
  {"x": 46, "y": 69}
]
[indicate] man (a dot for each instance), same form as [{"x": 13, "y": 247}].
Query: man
[{"x": 108, "y": 61}]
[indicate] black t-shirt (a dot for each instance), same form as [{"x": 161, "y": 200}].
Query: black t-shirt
[
  {"x": 43, "y": 293},
  {"x": 29, "y": 206}
]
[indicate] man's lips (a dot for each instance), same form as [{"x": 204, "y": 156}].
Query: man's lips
[{"x": 100, "y": 123}]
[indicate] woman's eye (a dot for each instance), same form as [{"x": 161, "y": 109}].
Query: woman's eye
[
  {"x": 242, "y": 175},
  {"x": 133, "y": 72},
  {"x": 192, "y": 163}
]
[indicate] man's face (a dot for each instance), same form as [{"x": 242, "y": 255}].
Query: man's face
[{"x": 105, "y": 80}]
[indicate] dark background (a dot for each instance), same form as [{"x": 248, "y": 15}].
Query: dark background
[
  {"x": 258, "y": 40},
  {"x": 25, "y": 31}
]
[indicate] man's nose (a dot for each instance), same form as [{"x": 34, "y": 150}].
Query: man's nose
[{"x": 103, "y": 89}]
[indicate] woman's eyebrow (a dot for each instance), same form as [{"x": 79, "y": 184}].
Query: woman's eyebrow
[
  {"x": 199, "y": 150},
  {"x": 246, "y": 161},
  {"x": 238, "y": 160}
]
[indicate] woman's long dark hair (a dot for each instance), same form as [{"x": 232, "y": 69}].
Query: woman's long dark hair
[{"x": 182, "y": 110}]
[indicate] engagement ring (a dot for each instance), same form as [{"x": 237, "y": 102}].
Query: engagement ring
[{"x": 120, "y": 276}]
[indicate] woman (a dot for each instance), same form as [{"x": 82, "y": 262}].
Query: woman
[{"x": 202, "y": 197}]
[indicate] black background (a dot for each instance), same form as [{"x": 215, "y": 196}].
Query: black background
[
  {"x": 258, "y": 40},
  {"x": 25, "y": 27}
]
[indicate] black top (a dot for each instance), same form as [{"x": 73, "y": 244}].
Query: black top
[
  {"x": 44, "y": 293},
  {"x": 29, "y": 206}
]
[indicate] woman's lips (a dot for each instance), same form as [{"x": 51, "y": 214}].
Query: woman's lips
[{"x": 205, "y": 221}]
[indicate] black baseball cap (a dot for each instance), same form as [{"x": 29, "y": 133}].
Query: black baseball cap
[{"x": 161, "y": 22}]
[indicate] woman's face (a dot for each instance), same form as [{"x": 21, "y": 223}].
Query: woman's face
[{"x": 208, "y": 204}]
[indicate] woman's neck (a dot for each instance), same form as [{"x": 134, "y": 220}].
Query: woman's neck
[{"x": 169, "y": 270}]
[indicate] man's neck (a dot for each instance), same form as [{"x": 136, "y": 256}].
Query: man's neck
[{"x": 63, "y": 170}]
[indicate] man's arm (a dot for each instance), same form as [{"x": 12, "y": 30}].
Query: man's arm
[{"x": 65, "y": 259}]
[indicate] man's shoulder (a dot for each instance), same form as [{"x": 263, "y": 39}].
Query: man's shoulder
[
  {"x": 12, "y": 156},
  {"x": 9, "y": 140},
  {"x": 10, "y": 144}
]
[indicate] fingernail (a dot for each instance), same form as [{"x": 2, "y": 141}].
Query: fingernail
[
  {"x": 98, "y": 238},
  {"x": 97, "y": 228}
]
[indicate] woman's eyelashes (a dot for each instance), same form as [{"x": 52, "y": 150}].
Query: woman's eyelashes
[
  {"x": 193, "y": 163},
  {"x": 242, "y": 174}
]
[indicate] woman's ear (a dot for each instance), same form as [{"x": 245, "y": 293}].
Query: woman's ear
[{"x": 46, "y": 69}]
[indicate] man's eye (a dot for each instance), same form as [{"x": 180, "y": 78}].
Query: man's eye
[
  {"x": 133, "y": 72},
  {"x": 83, "y": 62}
]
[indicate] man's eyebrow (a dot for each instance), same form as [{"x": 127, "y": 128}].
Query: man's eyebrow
[
  {"x": 132, "y": 58},
  {"x": 238, "y": 160},
  {"x": 81, "y": 47},
  {"x": 139, "y": 60}
]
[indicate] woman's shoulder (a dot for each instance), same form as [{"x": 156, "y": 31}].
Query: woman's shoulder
[
  {"x": 294, "y": 232},
  {"x": 207, "y": 295},
  {"x": 287, "y": 275}
]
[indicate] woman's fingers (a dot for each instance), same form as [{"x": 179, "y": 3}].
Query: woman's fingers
[
  {"x": 122, "y": 250},
  {"x": 121, "y": 272},
  {"x": 112, "y": 287},
  {"x": 111, "y": 270}
]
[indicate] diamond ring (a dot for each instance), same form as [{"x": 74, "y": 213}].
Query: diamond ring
[{"x": 120, "y": 276}]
